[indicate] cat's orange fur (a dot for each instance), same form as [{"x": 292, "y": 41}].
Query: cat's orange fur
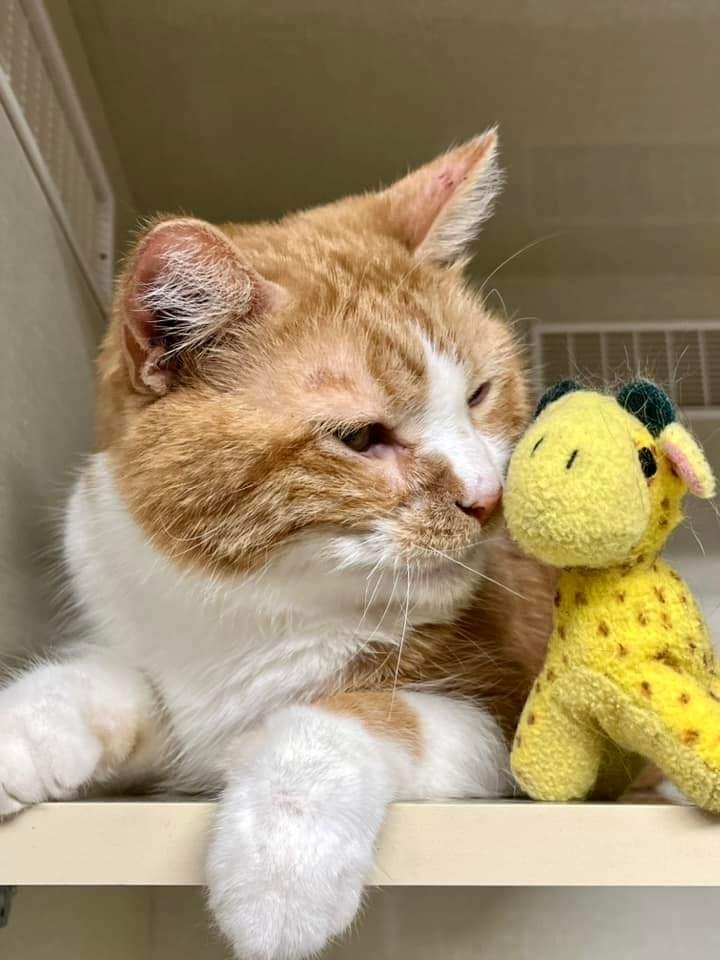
[
  {"x": 245, "y": 418},
  {"x": 296, "y": 590}
]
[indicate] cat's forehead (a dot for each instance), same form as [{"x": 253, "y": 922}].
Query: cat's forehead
[{"x": 365, "y": 320}]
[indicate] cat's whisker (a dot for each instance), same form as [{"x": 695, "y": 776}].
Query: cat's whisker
[
  {"x": 696, "y": 536},
  {"x": 380, "y": 622},
  {"x": 369, "y": 601},
  {"x": 402, "y": 641},
  {"x": 513, "y": 256},
  {"x": 478, "y": 573}
]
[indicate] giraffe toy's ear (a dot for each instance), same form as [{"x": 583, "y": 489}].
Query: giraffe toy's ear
[
  {"x": 688, "y": 460},
  {"x": 554, "y": 393},
  {"x": 649, "y": 403}
]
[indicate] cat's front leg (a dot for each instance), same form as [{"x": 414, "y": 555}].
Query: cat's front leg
[
  {"x": 64, "y": 725},
  {"x": 295, "y": 835}
]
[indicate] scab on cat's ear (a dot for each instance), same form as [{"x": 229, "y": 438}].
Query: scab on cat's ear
[{"x": 184, "y": 284}]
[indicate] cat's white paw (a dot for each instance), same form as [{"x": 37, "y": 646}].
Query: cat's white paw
[
  {"x": 47, "y": 751},
  {"x": 294, "y": 840}
]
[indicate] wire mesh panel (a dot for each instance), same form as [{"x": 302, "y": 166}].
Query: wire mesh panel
[
  {"x": 40, "y": 99},
  {"x": 682, "y": 355}
]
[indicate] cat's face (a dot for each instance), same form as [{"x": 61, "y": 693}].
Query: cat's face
[{"x": 325, "y": 388}]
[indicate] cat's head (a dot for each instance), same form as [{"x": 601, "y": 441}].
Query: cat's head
[{"x": 326, "y": 387}]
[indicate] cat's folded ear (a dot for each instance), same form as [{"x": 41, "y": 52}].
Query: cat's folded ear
[
  {"x": 438, "y": 210},
  {"x": 185, "y": 286}
]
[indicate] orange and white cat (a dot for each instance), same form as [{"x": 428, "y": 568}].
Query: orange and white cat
[{"x": 294, "y": 586}]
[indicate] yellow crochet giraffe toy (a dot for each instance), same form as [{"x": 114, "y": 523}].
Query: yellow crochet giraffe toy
[{"x": 595, "y": 487}]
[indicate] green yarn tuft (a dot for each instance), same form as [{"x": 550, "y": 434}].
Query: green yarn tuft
[
  {"x": 649, "y": 403},
  {"x": 555, "y": 392}
]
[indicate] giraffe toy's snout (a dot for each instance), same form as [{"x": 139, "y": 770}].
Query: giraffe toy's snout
[{"x": 575, "y": 493}]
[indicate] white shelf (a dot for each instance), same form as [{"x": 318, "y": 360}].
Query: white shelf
[{"x": 162, "y": 843}]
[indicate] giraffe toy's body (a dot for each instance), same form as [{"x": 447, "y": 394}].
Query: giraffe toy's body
[{"x": 630, "y": 671}]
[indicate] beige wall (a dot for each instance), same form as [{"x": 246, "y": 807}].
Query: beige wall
[
  {"x": 398, "y": 924},
  {"x": 49, "y": 323}
]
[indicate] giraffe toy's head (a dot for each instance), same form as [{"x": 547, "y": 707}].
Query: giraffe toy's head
[{"x": 598, "y": 480}]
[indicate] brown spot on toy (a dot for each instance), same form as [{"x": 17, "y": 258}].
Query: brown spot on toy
[
  {"x": 683, "y": 598},
  {"x": 603, "y": 629},
  {"x": 620, "y": 596},
  {"x": 531, "y": 719},
  {"x": 665, "y": 503},
  {"x": 565, "y": 660},
  {"x": 580, "y": 599},
  {"x": 640, "y": 558},
  {"x": 551, "y": 675},
  {"x": 715, "y": 696},
  {"x": 561, "y": 633},
  {"x": 666, "y": 622},
  {"x": 622, "y": 650},
  {"x": 663, "y": 522},
  {"x": 684, "y": 699},
  {"x": 643, "y": 619},
  {"x": 692, "y": 646},
  {"x": 675, "y": 576},
  {"x": 690, "y": 737},
  {"x": 558, "y": 599},
  {"x": 660, "y": 594},
  {"x": 646, "y": 689}
]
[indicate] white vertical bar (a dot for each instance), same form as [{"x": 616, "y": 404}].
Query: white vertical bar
[
  {"x": 604, "y": 358},
  {"x": 571, "y": 354},
  {"x": 704, "y": 368},
  {"x": 537, "y": 356},
  {"x": 636, "y": 352}
]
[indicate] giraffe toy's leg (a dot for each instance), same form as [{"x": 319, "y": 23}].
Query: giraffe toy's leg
[
  {"x": 673, "y": 720},
  {"x": 555, "y": 757}
]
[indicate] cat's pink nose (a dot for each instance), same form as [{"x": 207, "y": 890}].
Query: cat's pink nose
[{"x": 483, "y": 508}]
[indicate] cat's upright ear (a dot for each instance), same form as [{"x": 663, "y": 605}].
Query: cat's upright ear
[
  {"x": 185, "y": 284},
  {"x": 438, "y": 210}
]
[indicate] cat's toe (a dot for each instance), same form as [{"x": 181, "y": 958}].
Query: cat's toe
[{"x": 39, "y": 763}]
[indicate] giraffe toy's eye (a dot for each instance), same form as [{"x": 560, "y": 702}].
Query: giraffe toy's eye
[{"x": 648, "y": 463}]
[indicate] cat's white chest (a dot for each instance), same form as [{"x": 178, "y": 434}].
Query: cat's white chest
[
  {"x": 219, "y": 659},
  {"x": 238, "y": 679}
]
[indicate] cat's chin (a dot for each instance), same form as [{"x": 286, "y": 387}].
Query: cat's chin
[{"x": 441, "y": 584}]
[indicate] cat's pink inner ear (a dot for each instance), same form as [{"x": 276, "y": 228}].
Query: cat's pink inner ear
[
  {"x": 185, "y": 283},
  {"x": 439, "y": 209}
]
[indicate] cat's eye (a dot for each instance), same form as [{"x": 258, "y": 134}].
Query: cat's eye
[
  {"x": 479, "y": 395},
  {"x": 362, "y": 438},
  {"x": 648, "y": 463}
]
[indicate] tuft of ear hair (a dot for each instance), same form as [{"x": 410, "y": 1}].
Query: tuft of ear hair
[
  {"x": 649, "y": 403},
  {"x": 554, "y": 393},
  {"x": 185, "y": 284}
]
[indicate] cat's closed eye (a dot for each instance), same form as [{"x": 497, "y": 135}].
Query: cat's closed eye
[{"x": 479, "y": 395}]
